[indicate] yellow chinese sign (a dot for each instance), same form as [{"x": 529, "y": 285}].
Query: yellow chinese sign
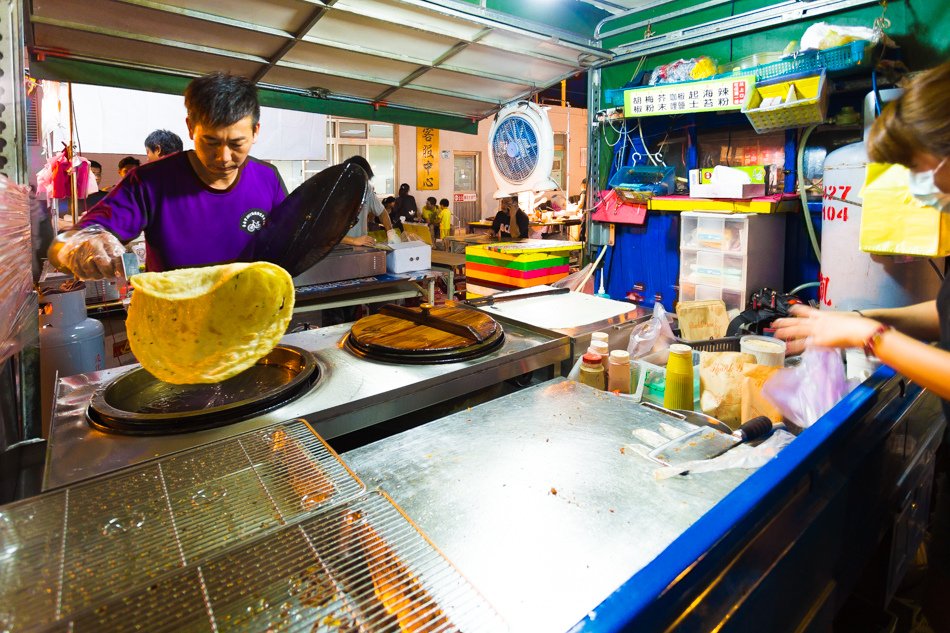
[
  {"x": 692, "y": 96},
  {"x": 427, "y": 158}
]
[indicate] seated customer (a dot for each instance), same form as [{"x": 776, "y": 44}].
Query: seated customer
[{"x": 502, "y": 226}]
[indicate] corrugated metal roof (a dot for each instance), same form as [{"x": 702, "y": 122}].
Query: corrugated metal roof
[{"x": 443, "y": 57}]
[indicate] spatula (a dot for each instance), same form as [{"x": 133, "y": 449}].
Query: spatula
[{"x": 707, "y": 443}]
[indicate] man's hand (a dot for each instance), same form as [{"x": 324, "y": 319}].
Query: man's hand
[
  {"x": 365, "y": 240},
  {"x": 90, "y": 253}
]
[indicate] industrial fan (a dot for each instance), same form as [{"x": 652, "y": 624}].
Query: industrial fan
[{"x": 522, "y": 150}]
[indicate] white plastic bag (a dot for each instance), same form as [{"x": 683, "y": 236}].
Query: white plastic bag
[{"x": 651, "y": 336}]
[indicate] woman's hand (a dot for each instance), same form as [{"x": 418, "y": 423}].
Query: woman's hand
[{"x": 824, "y": 328}]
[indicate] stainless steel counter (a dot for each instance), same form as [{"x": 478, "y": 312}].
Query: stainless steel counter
[
  {"x": 575, "y": 315},
  {"x": 537, "y": 500},
  {"x": 353, "y": 393}
]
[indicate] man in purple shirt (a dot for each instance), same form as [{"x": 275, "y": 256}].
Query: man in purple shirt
[{"x": 196, "y": 208}]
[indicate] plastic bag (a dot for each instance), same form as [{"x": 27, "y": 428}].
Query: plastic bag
[
  {"x": 893, "y": 222},
  {"x": 742, "y": 456},
  {"x": 684, "y": 70},
  {"x": 651, "y": 336},
  {"x": 823, "y": 35},
  {"x": 806, "y": 392}
]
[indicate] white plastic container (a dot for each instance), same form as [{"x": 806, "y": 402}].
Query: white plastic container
[
  {"x": 767, "y": 350},
  {"x": 407, "y": 257}
]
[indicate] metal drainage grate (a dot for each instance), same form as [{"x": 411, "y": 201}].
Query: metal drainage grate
[
  {"x": 65, "y": 551},
  {"x": 356, "y": 566}
]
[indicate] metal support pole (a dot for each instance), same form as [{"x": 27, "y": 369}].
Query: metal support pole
[{"x": 12, "y": 93}]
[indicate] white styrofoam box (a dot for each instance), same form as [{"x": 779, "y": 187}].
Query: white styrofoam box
[
  {"x": 722, "y": 190},
  {"x": 407, "y": 257}
]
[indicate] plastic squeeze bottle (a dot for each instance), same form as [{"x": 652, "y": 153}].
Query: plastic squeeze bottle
[
  {"x": 592, "y": 371},
  {"x": 618, "y": 371}
]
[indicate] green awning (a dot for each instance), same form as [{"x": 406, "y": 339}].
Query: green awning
[{"x": 59, "y": 69}]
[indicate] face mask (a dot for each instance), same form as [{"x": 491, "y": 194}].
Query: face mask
[{"x": 924, "y": 188}]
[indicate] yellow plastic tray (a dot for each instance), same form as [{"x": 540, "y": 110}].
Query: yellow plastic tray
[{"x": 809, "y": 106}]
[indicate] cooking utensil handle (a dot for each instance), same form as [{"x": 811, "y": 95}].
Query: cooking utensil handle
[
  {"x": 755, "y": 428},
  {"x": 428, "y": 320},
  {"x": 492, "y": 300}
]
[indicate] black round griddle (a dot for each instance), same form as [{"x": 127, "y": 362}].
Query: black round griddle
[{"x": 138, "y": 403}]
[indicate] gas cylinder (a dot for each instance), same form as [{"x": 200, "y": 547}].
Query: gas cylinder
[
  {"x": 850, "y": 278},
  {"x": 70, "y": 341}
]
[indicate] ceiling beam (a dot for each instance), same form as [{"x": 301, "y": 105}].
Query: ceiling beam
[
  {"x": 452, "y": 52},
  {"x": 206, "y": 17},
  {"x": 139, "y": 37},
  {"x": 395, "y": 85},
  {"x": 418, "y": 61},
  {"x": 527, "y": 52},
  {"x": 305, "y": 28}
]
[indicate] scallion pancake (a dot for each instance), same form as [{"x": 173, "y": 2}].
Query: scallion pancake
[{"x": 205, "y": 325}]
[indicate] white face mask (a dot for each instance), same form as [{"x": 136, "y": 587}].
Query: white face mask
[{"x": 925, "y": 189}]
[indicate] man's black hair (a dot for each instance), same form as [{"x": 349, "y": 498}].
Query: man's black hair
[
  {"x": 444, "y": 202},
  {"x": 361, "y": 162},
  {"x": 95, "y": 164},
  {"x": 163, "y": 142},
  {"x": 404, "y": 187},
  {"x": 221, "y": 99},
  {"x": 129, "y": 161},
  {"x": 431, "y": 199}
]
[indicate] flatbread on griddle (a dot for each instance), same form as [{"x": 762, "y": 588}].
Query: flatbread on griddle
[{"x": 205, "y": 325}]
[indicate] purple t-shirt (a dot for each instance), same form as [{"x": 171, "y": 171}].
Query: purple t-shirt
[{"x": 186, "y": 222}]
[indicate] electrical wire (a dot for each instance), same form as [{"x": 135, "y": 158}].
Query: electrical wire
[
  {"x": 801, "y": 189},
  {"x": 936, "y": 268}
]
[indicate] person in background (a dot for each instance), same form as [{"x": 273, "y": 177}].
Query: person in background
[
  {"x": 502, "y": 226},
  {"x": 914, "y": 131},
  {"x": 358, "y": 234},
  {"x": 405, "y": 205},
  {"x": 376, "y": 224},
  {"x": 445, "y": 219},
  {"x": 196, "y": 208},
  {"x": 430, "y": 212},
  {"x": 127, "y": 164},
  {"x": 93, "y": 198},
  {"x": 161, "y": 143}
]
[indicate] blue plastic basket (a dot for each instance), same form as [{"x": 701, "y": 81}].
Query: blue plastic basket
[
  {"x": 614, "y": 97},
  {"x": 832, "y": 60}
]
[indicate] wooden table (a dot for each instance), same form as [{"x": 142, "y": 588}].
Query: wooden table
[{"x": 449, "y": 262}]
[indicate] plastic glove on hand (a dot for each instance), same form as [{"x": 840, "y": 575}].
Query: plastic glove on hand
[
  {"x": 392, "y": 237},
  {"x": 89, "y": 254}
]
